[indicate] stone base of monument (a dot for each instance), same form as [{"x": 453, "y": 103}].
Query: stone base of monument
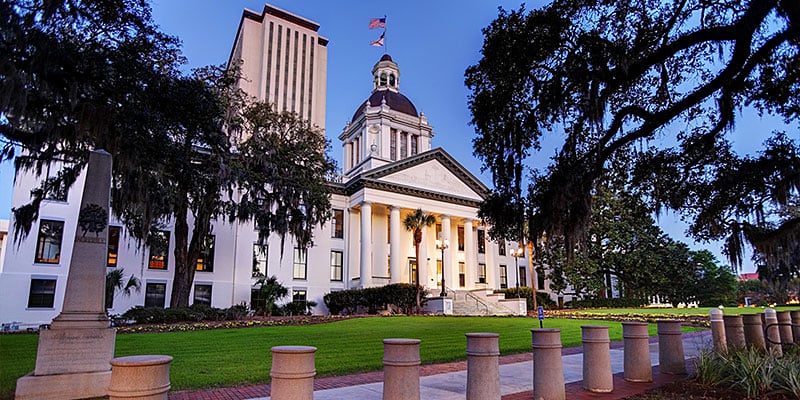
[
  {"x": 63, "y": 386},
  {"x": 70, "y": 364},
  {"x": 70, "y": 351}
]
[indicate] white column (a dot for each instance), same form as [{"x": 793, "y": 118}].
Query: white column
[
  {"x": 366, "y": 244},
  {"x": 395, "y": 260},
  {"x": 447, "y": 262},
  {"x": 470, "y": 258}
]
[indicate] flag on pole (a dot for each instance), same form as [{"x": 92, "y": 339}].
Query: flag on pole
[
  {"x": 375, "y": 23},
  {"x": 378, "y": 42}
]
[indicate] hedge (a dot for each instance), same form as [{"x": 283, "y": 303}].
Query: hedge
[
  {"x": 543, "y": 299},
  {"x": 371, "y": 300}
]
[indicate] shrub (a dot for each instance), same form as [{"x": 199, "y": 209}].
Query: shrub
[
  {"x": 371, "y": 300},
  {"x": 543, "y": 299},
  {"x": 617, "y": 302},
  {"x": 193, "y": 313}
]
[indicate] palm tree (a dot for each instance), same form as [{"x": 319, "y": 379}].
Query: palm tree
[
  {"x": 115, "y": 280},
  {"x": 270, "y": 292},
  {"x": 415, "y": 222}
]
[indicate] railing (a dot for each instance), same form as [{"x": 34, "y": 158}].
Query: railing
[{"x": 469, "y": 296}]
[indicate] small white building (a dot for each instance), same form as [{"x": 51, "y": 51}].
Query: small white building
[{"x": 390, "y": 169}]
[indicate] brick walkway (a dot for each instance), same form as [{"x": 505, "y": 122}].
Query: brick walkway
[{"x": 574, "y": 390}]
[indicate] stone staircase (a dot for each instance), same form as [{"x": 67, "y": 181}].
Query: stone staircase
[{"x": 484, "y": 302}]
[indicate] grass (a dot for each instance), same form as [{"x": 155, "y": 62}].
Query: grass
[{"x": 242, "y": 356}]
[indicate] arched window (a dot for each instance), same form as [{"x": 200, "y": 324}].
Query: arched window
[
  {"x": 391, "y": 80},
  {"x": 383, "y": 79}
]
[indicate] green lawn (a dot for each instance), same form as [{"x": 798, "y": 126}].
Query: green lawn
[{"x": 241, "y": 356}]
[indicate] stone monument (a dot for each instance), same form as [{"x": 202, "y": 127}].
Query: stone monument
[{"x": 73, "y": 359}]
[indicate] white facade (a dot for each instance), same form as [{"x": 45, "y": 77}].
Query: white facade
[
  {"x": 284, "y": 61},
  {"x": 390, "y": 170}
]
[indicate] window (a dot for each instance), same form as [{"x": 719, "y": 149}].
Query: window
[
  {"x": 383, "y": 79},
  {"x": 260, "y": 253},
  {"x": 299, "y": 296},
  {"x": 439, "y": 273},
  {"x": 391, "y": 80},
  {"x": 460, "y": 238},
  {"x": 300, "y": 263},
  {"x": 388, "y": 228},
  {"x": 501, "y": 247},
  {"x": 336, "y": 265},
  {"x": 503, "y": 277},
  {"x": 439, "y": 231},
  {"x": 539, "y": 279},
  {"x": 393, "y": 144},
  {"x": 113, "y": 245},
  {"x": 42, "y": 294},
  {"x": 337, "y": 224},
  {"x": 48, "y": 244},
  {"x": 412, "y": 270},
  {"x": 205, "y": 262},
  {"x": 159, "y": 248},
  {"x": 462, "y": 274},
  {"x": 202, "y": 294},
  {"x": 481, "y": 241},
  {"x": 155, "y": 294},
  {"x": 523, "y": 277},
  {"x": 481, "y": 273},
  {"x": 54, "y": 191},
  {"x": 414, "y": 139},
  {"x": 403, "y": 145}
]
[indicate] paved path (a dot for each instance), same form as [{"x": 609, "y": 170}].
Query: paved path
[{"x": 448, "y": 381}]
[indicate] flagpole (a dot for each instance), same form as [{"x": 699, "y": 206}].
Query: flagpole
[{"x": 385, "y": 26}]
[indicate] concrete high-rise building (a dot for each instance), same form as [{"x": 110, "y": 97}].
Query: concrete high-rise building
[{"x": 284, "y": 61}]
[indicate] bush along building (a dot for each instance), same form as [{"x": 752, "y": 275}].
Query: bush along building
[{"x": 390, "y": 170}]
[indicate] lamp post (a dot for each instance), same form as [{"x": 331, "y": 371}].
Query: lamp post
[
  {"x": 517, "y": 253},
  {"x": 442, "y": 244}
]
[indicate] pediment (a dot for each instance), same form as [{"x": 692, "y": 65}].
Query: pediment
[
  {"x": 434, "y": 172},
  {"x": 434, "y": 177}
]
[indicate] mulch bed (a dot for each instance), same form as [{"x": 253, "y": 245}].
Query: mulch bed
[{"x": 691, "y": 390}]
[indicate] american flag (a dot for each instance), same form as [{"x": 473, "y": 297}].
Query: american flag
[{"x": 377, "y": 23}]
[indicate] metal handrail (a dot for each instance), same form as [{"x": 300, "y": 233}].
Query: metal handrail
[
  {"x": 766, "y": 329},
  {"x": 478, "y": 301}
]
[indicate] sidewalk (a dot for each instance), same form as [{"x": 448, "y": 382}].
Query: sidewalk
[{"x": 448, "y": 381}]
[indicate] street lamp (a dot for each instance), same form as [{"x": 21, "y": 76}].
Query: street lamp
[
  {"x": 442, "y": 244},
  {"x": 517, "y": 253}
]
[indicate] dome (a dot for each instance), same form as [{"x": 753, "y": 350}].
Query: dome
[{"x": 395, "y": 100}]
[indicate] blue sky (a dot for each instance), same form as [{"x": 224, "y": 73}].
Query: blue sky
[{"x": 433, "y": 42}]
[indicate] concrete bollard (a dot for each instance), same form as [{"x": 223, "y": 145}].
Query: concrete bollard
[
  {"x": 734, "y": 332},
  {"x": 718, "y": 330},
  {"x": 139, "y": 377},
  {"x": 401, "y": 369},
  {"x": 670, "y": 348},
  {"x": 483, "y": 366},
  {"x": 548, "y": 370},
  {"x": 772, "y": 332},
  {"x": 637, "y": 352},
  {"x": 597, "y": 376},
  {"x": 753, "y": 332},
  {"x": 292, "y": 373},
  {"x": 796, "y": 326},
  {"x": 785, "y": 329}
]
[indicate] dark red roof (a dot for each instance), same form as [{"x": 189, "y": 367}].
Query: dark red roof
[
  {"x": 386, "y": 57},
  {"x": 395, "y": 101}
]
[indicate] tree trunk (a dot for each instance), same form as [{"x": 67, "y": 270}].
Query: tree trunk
[
  {"x": 183, "y": 276},
  {"x": 417, "y": 241},
  {"x": 534, "y": 281}
]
